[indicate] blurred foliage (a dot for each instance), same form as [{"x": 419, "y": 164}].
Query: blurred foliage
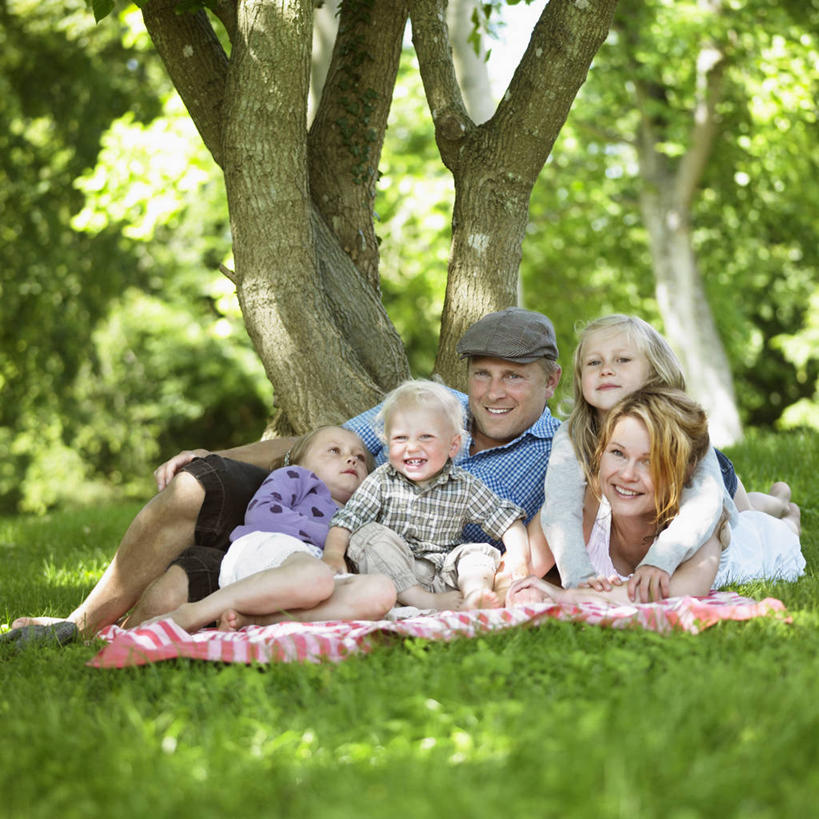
[
  {"x": 119, "y": 341},
  {"x": 414, "y": 207}
]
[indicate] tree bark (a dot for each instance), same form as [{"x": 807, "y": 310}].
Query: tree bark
[
  {"x": 315, "y": 318},
  {"x": 301, "y": 207},
  {"x": 668, "y": 189},
  {"x": 495, "y": 164}
]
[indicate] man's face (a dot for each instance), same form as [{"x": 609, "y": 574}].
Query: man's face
[{"x": 506, "y": 398}]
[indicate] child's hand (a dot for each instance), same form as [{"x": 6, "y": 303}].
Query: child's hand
[
  {"x": 650, "y": 583},
  {"x": 526, "y": 590},
  {"x": 601, "y": 583},
  {"x": 335, "y": 562}
]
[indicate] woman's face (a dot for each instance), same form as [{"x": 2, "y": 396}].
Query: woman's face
[{"x": 625, "y": 474}]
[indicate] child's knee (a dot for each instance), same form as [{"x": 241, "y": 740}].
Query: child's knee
[{"x": 378, "y": 596}]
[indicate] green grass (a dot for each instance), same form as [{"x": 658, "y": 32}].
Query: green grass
[{"x": 562, "y": 720}]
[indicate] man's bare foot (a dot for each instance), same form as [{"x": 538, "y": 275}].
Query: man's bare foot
[
  {"x": 37, "y": 621},
  {"x": 481, "y": 599}
]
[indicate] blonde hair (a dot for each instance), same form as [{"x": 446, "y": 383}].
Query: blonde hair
[
  {"x": 678, "y": 440},
  {"x": 298, "y": 452},
  {"x": 430, "y": 395},
  {"x": 665, "y": 370}
]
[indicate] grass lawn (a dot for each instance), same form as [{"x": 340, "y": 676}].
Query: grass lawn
[{"x": 560, "y": 720}]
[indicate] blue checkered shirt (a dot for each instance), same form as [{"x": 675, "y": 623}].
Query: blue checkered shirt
[{"x": 514, "y": 471}]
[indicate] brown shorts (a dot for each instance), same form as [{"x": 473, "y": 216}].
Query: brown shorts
[{"x": 229, "y": 485}]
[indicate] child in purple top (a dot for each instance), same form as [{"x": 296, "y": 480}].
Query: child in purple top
[{"x": 273, "y": 570}]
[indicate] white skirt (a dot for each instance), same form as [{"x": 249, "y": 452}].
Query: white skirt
[
  {"x": 257, "y": 551},
  {"x": 762, "y": 547}
]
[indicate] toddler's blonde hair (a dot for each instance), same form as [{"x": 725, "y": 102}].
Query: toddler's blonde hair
[{"x": 419, "y": 392}]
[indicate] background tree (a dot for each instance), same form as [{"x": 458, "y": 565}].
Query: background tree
[
  {"x": 688, "y": 143},
  {"x": 115, "y": 342}
]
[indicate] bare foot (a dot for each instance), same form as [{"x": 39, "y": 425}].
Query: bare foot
[
  {"x": 793, "y": 517},
  {"x": 232, "y": 620},
  {"x": 37, "y": 621},
  {"x": 776, "y": 502},
  {"x": 781, "y": 490},
  {"x": 481, "y": 599}
]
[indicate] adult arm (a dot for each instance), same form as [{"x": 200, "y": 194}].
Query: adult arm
[
  {"x": 561, "y": 517},
  {"x": 701, "y": 507},
  {"x": 258, "y": 453}
]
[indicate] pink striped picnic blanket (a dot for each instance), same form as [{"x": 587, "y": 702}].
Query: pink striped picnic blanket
[{"x": 335, "y": 640}]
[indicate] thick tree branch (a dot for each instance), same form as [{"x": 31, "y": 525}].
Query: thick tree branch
[
  {"x": 545, "y": 83},
  {"x": 347, "y": 135},
  {"x": 430, "y": 36},
  {"x": 196, "y": 64}
]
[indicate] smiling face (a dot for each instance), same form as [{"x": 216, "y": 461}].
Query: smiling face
[
  {"x": 339, "y": 459},
  {"x": 420, "y": 441},
  {"x": 625, "y": 470},
  {"x": 506, "y": 398},
  {"x": 611, "y": 368}
]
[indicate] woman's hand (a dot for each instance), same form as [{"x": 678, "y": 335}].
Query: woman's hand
[
  {"x": 601, "y": 584},
  {"x": 164, "y": 473},
  {"x": 649, "y": 583}
]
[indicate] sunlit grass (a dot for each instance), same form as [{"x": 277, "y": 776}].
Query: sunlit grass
[{"x": 561, "y": 720}]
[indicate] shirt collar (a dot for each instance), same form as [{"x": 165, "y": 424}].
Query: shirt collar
[{"x": 543, "y": 428}]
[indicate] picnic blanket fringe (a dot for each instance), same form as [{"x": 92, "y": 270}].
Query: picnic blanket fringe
[{"x": 336, "y": 640}]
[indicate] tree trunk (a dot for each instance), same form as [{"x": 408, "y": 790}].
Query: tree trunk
[
  {"x": 689, "y": 323},
  {"x": 470, "y": 66},
  {"x": 313, "y": 314},
  {"x": 495, "y": 164},
  {"x": 301, "y": 205},
  {"x": 668, "y": 188}
]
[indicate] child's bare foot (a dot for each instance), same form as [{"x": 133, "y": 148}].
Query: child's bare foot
[
  {"x": 481, "y": 599},
  {"x": 232, "y": 620}
]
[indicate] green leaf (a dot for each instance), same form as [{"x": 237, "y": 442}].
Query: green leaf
[{"x": 102, "y": 8}]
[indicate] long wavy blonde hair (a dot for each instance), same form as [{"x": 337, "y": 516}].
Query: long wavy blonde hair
[
  {"x": 678, "y": 435},
  {"x": 665, "y": 369}
]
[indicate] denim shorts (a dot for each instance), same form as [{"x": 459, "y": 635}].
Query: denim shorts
[
  {"x": 729, "y": 475},
  {"x": 229, "y": 486}
]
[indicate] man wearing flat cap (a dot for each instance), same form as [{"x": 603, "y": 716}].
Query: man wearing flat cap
[{"x": 512, "y": 373}]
